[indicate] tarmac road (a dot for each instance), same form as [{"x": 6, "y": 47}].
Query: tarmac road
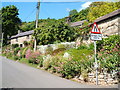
[{"x": 17, "y": 75}]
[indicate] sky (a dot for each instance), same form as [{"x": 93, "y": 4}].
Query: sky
[{"x": 56, "y": 9}]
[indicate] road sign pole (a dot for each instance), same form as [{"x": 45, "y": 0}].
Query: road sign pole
[{"x": 96, "y": 65}]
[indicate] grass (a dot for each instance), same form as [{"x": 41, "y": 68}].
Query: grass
[
  {"x": 25, "y": 61},
  {"x": 79, "y": 54}
]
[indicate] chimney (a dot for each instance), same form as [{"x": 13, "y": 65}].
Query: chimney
[{"x": 19, "y": 31}]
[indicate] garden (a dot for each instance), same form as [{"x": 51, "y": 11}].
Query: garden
[{"x": 73, "y": 63}]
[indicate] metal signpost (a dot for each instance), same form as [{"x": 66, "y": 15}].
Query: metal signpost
[{"x": 96, "y": 35}]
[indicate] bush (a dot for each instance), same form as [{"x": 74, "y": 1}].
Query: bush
[
  {"x": 47, "y": 64},
  {"x": 9, "y": 54},
  {"x": 15, "y": 45},
  {"x": 40, "y": 61},
  {"x": 109, "y": 43},
  {"x": 16, "y": 58},
  {"x": 33, "y": 57},
  {"x": 49, "y": 50},
  {"x": 71, "y": 69},
  {"x": 84, "y": 74},
  {"x": 16, "y": 50},
  {"x": 57, "y": 51},
  {"x": 28, "y": 54},
  {"x": 91, "y": 46},
  {"x": 57, "y": 63},
  {"x": 82, "y": 47},
  {"x": 25, "y": 43},
  {"x": 23, "y": 52}
]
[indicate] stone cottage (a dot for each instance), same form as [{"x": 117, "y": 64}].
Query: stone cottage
[
  {"x": 109, "y": 24},
  {"x": 21, "y": 37}
]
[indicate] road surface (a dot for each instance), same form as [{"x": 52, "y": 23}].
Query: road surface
[{"x": 17, "y": 75}]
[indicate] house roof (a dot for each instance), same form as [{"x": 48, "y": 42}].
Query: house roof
[
  {"x": 23, "y": 34},
  {"x": 114, "y": 13},
  {"x": 79, "y": 23}
]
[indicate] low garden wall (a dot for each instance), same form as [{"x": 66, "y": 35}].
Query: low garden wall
[{"x": 51, "y": 47}]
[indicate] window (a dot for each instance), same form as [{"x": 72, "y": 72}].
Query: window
[{"x": 21, "y": 45}]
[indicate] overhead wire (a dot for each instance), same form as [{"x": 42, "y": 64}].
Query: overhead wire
[{"x": 30, "y": 14}]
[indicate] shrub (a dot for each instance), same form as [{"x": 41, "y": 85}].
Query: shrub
[
  {"x": 57, "y": 51},
  {"x": 28, "y": 54},
  {"x": 47, "y": 64},
  {"x": 40, "y": 61},
  {"x": 23, "y": 51},
  {"x": 25, "y": 43},
  {"x": 8, "y": 54},
  {"x": 82, "y": 47},
  {"x": 84, "y": 74},
  {"x": 16, "y": 50},
  {"x": 49, "y": 50},
  {"x": 91, "y": 46},
  {"x": 16, "y": 58},
  {"x": 61, "y": 46},
  {"x": 33, "y": 57},
  {"x": 57, "y": 63},
  {"x": 71, "y": 68},
  {"x": 15, "y": 45},
  {"x": 108, "y": 43}
]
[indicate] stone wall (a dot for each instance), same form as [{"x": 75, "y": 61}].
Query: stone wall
[
  {"x": 44, "y": 48},
  {"x": 20, "y": 40},
  {"x": 110, "y": 26}
]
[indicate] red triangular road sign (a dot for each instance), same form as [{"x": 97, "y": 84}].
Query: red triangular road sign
[{"x": 95, "y": 29}]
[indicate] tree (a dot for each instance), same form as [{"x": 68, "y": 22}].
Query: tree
[
  {"x": 98, "y": 9},
  {"x": 54, "y": 33},
  {"x": 10, "y": 21},
  {"x": 73, "y": 12}
]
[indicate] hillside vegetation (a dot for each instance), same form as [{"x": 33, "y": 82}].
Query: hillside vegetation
[{"x": 94, "y": 11}]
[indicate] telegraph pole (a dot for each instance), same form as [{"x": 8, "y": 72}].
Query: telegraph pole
[
  {"x": 2, "y": 42},
  {"x": 37, "y": 17}
]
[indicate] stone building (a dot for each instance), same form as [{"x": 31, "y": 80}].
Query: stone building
[
  {"x": 109, "y": 24},
  {"x": 21, "y": 37}
]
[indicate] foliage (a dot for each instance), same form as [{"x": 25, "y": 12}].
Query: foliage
[
  {"x": 56, "y": 32},
  {"x": 10, "y": 21},
  {"x": 23, "y": 51},
  {"x": 27, "y": 26},
  {"x": 16, "y": 57},
  {"x": 79, "y": 54},
  {"x": 15, "y": 45},
  {"x": 82, "y": 47},
  {"x": 49, "y": 50},
  {"x": 46, "y": 64},
  {"x": 79, "y": 16},
  {"x": 57, "y": 63},
  {"x": 40, "y": 61},
  {"x": 58, "y": 51},
  {"x": 109, "y": 53},
  {"x": 33, "y": 57},
  {"x": 16, "y": 50},
  {"x": 98, "y": 9},
  {"x": 25, "y": 43},
  {"x": 73, "y": 12},
  {"x": 109, "y": 43},
  {"x": 28, "y": 54},
  {"x": 71, "y": 68}
]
